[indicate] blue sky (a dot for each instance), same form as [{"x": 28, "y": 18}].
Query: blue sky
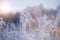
[{"x": 21, "y": 4}]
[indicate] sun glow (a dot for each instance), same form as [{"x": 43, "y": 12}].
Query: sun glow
[{"x": 5, "y": 7}]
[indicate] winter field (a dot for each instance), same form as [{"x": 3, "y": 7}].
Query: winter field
[{"x": 33, "y": 23}]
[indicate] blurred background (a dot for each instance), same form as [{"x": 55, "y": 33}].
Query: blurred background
[{"x": 29, "y": 19}]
